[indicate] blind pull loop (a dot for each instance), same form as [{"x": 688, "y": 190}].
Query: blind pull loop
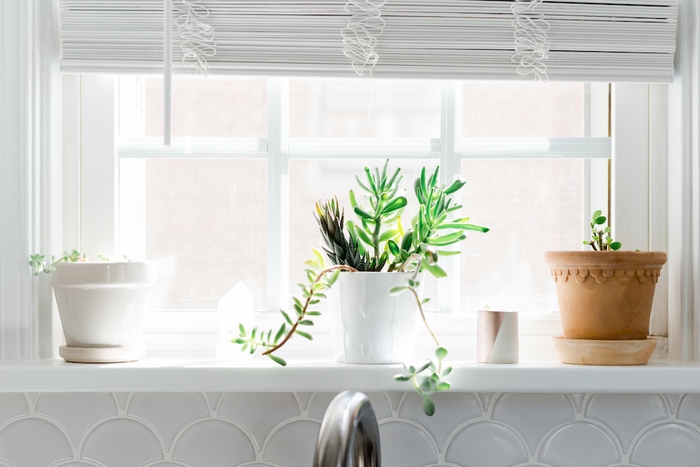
[
  {"x": 531, "y": 46},
  {"x": 197, "y": 38},
  {"x": 360, "y": 34},
  {"x": 167, "y": 71}
]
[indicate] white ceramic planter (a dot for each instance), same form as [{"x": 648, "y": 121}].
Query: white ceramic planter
[
  {"x": 368, "y": 324},
  {"x": 102, "y": 307}
]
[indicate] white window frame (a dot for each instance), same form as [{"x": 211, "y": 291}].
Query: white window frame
[{"x": 638, "y": 201}]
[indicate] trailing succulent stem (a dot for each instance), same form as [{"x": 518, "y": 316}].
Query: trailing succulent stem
[
  {"x": 601, "y": 239},
  {"x": 428, "y": 378},
  {"x": 319, "y": 279},
  {"x": 38, "y": 262}
]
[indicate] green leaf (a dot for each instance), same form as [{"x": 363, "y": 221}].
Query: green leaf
[
  {"x": 428, "y": 407},
  {"x": 306, "y": 322},
  {"x": 362, "y": 213},
  {"x": 395, "y": 205},
  {"x": 456, "y": 186},
  {"x": 423, "y": 367},
  {"x": 391, "y": 233},
  {"x": 615, "y": 245},
  {"x": 287, "y": 318},
  {"x": 303, "y": 334},
  {"x": 393, "y": 247},
  {"x": 443, "y": 386},
  {"x": 280, "y": 333},
  {"x": 398, "y": 290},
  {"x": 441, "y": 353},
  {"x": 434, "y": 269},
  {"x": 402, "y": 378},
  {"x": 278, "y": 360}
]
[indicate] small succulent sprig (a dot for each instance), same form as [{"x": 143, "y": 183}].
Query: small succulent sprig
[
  {"x": 319, "y": 279},
  {"x": 38, "y": 261},
  {"x": 601, "y": 238}
]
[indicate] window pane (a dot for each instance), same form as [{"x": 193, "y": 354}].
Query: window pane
[
  {"x": 204, "y": 220},
  {"x": 531, "y": 206},
  {"x": 529, "y": 109},
  {"x": 364, "y": 108},
  {"x": 201, "y": 107},
  {"x": 318, "y": 180}
]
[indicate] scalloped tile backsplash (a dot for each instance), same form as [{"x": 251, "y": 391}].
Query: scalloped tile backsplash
[{"x": 280, "y": 429}]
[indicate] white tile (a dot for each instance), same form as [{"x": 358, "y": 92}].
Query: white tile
[
  {"x": 406, "y": 444},
  {"x": 666, "y": 445},
  {"x": 12, "y": 405},
  {"x": 293, "y": 445},
  {"x": 121, "y": 442},
  {"x": 489, "y": 444},
  {"x": 533, "y": 415},
  {"x": 580, "y": 444},
  {"x": 626, "y": 414},
  {"x": 214, "y": 443},
  {"x": 689, "y": 408},
  {"x": 75, "y": 412},
  {"x": 33, "y": 442},
  {"x": 169, "y": 413},
  {"x": 259, "y": 413}
]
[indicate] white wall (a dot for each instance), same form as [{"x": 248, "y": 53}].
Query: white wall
[{"x": 280, "y": 429}]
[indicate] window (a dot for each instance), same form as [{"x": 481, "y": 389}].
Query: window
[{"x": 535, "y": 158}]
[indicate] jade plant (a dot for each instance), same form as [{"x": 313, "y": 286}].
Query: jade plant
[
  {"x": 377, "y": 241},
  {"x": 601, "y": 238}
]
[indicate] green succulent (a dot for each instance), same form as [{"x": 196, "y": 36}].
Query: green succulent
[
  {"x": 601, "y": 239},
  {"x": 38, "y": 261}
]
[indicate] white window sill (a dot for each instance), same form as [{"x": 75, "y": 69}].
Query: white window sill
[{"x": 168, "y": 375}]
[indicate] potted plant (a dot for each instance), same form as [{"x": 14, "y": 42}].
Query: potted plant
[
  {"x": 101, "y": 305},
  {"x": 374, "y": 280},
  {"x": 605, "y": 297}
]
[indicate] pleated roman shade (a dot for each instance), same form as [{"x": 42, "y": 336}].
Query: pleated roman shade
[{"x": 581, "y": 40}]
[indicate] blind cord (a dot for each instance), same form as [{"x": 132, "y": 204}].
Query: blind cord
[
  {"x": 360, "y": 34},
  {"x": 531, "y": 46}
]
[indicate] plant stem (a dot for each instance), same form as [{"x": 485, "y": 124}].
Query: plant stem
[
  {"x": 422, "y": 315},
  {"x": 306, "y": 304}
]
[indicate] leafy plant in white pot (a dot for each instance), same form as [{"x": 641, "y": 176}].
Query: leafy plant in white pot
[
  {"x": 101, "y": 305},
  {"x": 374, "y": 281}
]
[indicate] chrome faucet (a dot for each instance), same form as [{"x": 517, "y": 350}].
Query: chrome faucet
[{"x": 349, "y": 435}]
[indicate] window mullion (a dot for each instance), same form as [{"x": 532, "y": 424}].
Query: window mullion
[
  {"x": 450, "y": 167},
  {"x": 278, "y": 194}
]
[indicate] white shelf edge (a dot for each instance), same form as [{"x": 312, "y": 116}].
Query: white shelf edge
[{"x": 151, "y": 375}]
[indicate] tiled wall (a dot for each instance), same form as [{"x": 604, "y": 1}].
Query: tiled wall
[{"x": 280, "y": 429}]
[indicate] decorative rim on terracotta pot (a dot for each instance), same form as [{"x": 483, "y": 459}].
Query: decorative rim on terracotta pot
[{"x": 602, "y": 265}]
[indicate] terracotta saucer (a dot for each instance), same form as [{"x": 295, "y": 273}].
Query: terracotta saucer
[{"x": 604, "y": 352}]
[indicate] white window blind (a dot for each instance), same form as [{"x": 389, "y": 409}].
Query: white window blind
[{"x": 582, "y": 40}]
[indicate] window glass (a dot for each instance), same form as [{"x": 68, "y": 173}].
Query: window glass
[
  {"x": 530, "y": 206},
  {"x": 201, "y": 107},
  {"x": 364, "y": 108},
  {"x": 523, "y": 109},
  {"x": 203, "y": 220}
]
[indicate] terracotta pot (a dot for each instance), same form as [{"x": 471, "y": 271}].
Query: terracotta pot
[{"x": 605, "y": 294}]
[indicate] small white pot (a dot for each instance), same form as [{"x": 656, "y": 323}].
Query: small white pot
[
  {"x": 368, "y": 324},
  {"x": 102, "y": 307}
]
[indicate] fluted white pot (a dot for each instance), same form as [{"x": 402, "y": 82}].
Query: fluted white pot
[
  {"x": 368, "y": 324},
  {"x": 102, "y": 306}
]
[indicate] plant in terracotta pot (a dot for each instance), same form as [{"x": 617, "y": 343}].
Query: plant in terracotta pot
[
  {"x": 373, "y": 283},
  {"x": 605, "y": 298},
  {"x": 101, "y": 305}
]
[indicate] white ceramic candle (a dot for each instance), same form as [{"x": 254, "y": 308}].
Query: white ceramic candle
[{"x": 497, "y": 336}]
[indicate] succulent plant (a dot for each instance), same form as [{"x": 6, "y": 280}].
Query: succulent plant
[
  {"x": 375, "y": 242},
  {"x": 601, "y": 239}
]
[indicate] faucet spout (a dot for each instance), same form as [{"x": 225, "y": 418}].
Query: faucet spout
[{"x": 349, "y": 435}]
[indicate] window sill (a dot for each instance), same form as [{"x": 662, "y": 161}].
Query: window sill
[{"x": 168, "y": 375}]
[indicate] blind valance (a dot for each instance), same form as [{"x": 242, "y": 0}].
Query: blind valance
[{"x": 582, "y": 40}]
